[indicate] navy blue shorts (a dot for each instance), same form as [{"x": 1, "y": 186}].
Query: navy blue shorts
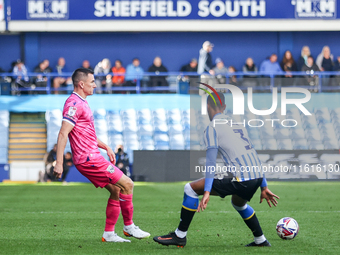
[{"x": 245, "y": 190}]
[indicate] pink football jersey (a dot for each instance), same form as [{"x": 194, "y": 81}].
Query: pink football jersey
[{"x": 83, "y": 138}]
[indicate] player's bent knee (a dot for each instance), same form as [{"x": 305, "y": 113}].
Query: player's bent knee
[
  {"x": 189, "y": 190},
  {"x": 128, "y": 184},
  {"x": 190, "y": 200}
]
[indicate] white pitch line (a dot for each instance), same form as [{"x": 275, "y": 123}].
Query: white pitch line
[{"x": 179, "y": 212}]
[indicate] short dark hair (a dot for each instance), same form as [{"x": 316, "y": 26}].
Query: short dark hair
[
  {"x": 218, "y": 105},
  {"x": 80, "y": 75},
  {"x": 135, "y": 59}
]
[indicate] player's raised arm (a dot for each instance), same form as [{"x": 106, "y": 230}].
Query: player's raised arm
[
  {"x": 65, "y": 129},
  {"x": 110, "y": 152}
]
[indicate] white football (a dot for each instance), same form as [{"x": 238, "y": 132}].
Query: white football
[{"x": 287, "y": 228}]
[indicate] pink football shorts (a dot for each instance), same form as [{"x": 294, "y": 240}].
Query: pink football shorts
[{"x": 100, "y": 171}]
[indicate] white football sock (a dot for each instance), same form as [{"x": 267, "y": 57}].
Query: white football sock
[
  {"x": 130, "y": 226},
  {"x": 259, "y": 239},
  {"x": 108, "y": 232},
  {"x": 181, "y": 234}
]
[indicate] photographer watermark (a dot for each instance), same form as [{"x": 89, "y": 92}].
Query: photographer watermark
[{"x": 239, "y": 102}]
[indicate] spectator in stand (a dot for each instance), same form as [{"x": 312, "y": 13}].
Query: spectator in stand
[
  {"x": 288, "y": 65},
  {"x": 310, "y": 68},
  {"x": 249, "y": 67},
  {"x": 305, "y": 53},
  {"x": 86, "y": 64},
  {"x": 42, "y": 68},
  {"x": 192, "y": 68},
  {"x": 118, "y": 80},
  {"x": 122, "y": 160},
  {"x": 50, "y": 161},
  {"x": 103, "y": 76},
  {"x": 157, "y": 67},
  {"x": 1, "y": 77},
  {"x": 134, "y": 73},
  {"x": 68, "y": 162},
  {"x": 62, "y": 80},
  {"x": 270, "y": 66},
  {"x": 205, "y": 63},
  {"x": 325, "y": 63},
  {"x": 20, "y": 74},
  {"x": 325, "y": 60},
  {"x": 232, "y": 78},
  {"x": 220, "y": 71},
  {"x": 336, "y": 68}
]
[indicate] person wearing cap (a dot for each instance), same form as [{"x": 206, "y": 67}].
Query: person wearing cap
[
  {"x": 220, "y": 71},
  {"x": 205, "y": 63}
]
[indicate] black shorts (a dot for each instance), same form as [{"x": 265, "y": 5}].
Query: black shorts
[{"x": 245, "y": 189}]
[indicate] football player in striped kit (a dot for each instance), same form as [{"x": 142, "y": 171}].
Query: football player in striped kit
[{"x": 241, "y": 180}]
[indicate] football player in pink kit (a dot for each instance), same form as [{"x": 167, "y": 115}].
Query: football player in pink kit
[{"x": 78, "y": 126}]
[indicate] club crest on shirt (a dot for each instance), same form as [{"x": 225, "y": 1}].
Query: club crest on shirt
[
  {"x": 72, "y": 111},
  {"x": 110, "y": 169}
]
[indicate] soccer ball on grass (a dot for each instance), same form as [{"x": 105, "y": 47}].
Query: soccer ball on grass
[{"x": 287, "y": 228}]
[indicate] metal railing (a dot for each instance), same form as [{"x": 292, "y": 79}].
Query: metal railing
[{"x": 260, "y": 82}]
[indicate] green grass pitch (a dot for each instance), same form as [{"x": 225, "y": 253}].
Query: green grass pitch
[{"x": 56, "y": 219}]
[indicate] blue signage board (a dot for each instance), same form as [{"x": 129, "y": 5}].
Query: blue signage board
[{"x": 171, "y": 9}]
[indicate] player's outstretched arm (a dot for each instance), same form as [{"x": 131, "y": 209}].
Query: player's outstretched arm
[
  {"x": 65, "y": 129},
  {"x": 209, "y": 177},
  {"x": 269, "y": 196},
  {"x": 110, "y": 152}
]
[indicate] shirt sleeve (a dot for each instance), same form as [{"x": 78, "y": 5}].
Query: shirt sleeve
[
  {"x": 72, "y": 111},
  {"x": 264, "y": 182},
  {"x": 210, "y": 168},
  {"x": 210, "y": 138}
]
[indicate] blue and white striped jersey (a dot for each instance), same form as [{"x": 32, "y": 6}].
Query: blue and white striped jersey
[{"x": 234, "y": 147}]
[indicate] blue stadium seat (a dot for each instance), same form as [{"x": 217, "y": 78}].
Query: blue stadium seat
[
  {"x": 300, "y": 144},
  {"x": 161, "y": 138},
  {"x": 99, "y": 114},
  {"x": 285, "y": 144},
  {"x": 269, "y": 144},
  {"x": 162, "y": 145},
  {"x": 176, "y": 129},
  {"x": 281, "y": 134},
  {"x": 316, "y": 145},
  {"x": 161, "y": 129},
  {"x": 257, "y": 144},
  {"x": 331, "y": 145},
  {"x": 297, "y": 134},
  {"x": 145, "y": 130},
  {"x": 174, "y": 119}
]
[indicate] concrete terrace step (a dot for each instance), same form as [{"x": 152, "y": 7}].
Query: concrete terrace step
[
  {"x": 27, "y": 125},
  {"x": 27, "y": 140},
  {"x": 27, "y": 157},
  {"x": 26, "y": 151},
  {"x": 27, "y": 135},
  {"x": 27, "y": 129},
  {"x": 27, "y": 146}
]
